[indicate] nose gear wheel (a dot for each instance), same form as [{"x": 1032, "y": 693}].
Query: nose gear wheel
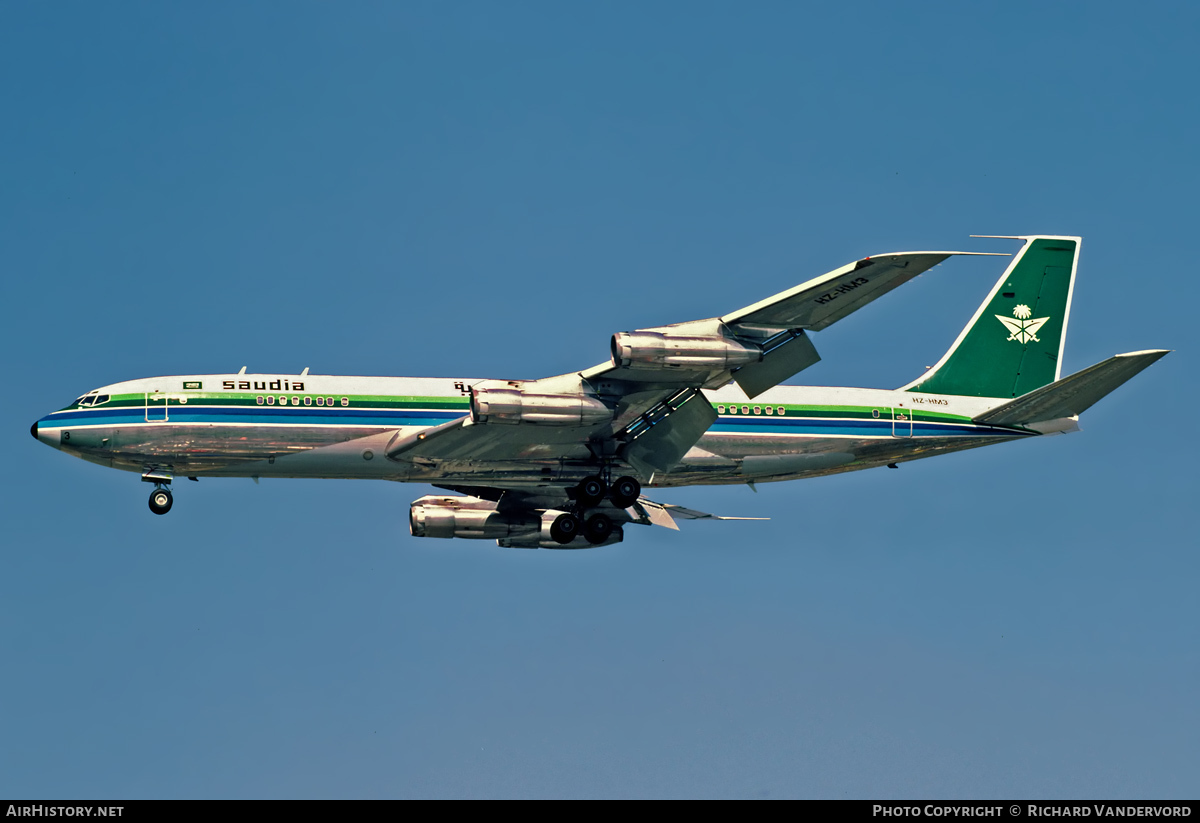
[{"x": 160, "y": 501}]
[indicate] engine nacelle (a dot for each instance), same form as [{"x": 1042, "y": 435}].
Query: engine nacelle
[
  {"x": 516, "y": 406},
  {"x": 467, "y": 517},
  {"x": 648, "y": 348}
]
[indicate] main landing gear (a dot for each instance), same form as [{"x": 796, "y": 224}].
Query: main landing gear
[
  {"x": 590, "y": 492},
  {"x": 567, "y": 526},
  {"x": 623, "y": 493}
]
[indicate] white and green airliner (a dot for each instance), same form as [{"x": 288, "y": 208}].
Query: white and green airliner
[{"x": 561, "y": 462}]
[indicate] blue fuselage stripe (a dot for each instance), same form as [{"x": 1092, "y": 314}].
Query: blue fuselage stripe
[
  {"x": 819, "y": 426},
  {"x": 288, "y": 416},
  {"x": 264, "y": 416}
]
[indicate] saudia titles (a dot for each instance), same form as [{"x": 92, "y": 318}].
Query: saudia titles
[{"x": 274, "y": 385}]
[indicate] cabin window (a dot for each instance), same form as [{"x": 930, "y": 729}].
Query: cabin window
[
  {"x": 720, "y": 409},
  {"x": 259, "y": 400},
  {"x": 320, "y": 401},
  {"x": 770, "y": 410},
  {"x": 270, "y": 400},
  {"x": 307, "y": 400},
  {"x": 745, "y": 409},
  {"x": 295, "y": 401},
  {"x": 328, "y": 401},
  {"x": 757, "y": 410},
  {"x": 781, "y": 410},
  {"x": 874, "y": 412},
  {"x": 345, "y": 401}
]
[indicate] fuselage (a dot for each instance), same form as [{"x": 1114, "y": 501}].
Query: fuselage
[{"x": 324, "y": 426}]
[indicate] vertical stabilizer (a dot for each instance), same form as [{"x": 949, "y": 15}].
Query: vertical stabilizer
[{"x": 1014, "y": 342}]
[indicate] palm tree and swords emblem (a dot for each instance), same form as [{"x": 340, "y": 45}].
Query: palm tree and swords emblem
[{"x": 1020, "y": 327}]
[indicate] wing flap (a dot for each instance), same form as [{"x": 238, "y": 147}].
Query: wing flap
[
  {"x": 663, "y": 442},
  {"x": 777, "y": 365}
]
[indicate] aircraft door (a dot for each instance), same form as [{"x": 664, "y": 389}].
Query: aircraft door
[
  {"x": 157, "y": 402},
  {"x": 901, "y": 421}
]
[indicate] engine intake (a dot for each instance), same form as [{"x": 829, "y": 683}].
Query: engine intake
[
  {"x": 649, "y": 348},
  {"x": 516, "y": 406}
]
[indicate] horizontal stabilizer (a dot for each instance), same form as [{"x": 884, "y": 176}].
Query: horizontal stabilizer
[{"x": 1071, "y": 395}]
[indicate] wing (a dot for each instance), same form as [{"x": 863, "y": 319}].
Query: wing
[{"x": 644, "y": 407}]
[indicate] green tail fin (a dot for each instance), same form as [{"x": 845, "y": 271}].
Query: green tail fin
[{"x": 1014, "y": 342}]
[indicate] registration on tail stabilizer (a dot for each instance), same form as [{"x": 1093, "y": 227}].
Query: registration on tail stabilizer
[{"x": 561, "y": 462}]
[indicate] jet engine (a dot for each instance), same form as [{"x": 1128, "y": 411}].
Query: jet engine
[
  {"x": 475, "y": 519},
  {"x": 468, "y": 517},
  {"x": 496, "y": 405},
  {"x": 647, "y": 348}
]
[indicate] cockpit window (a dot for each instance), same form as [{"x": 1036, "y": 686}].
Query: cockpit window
[{"x": 92, "y": 399}]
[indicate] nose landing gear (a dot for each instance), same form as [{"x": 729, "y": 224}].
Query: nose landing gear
[{"x": 161, "y": 500}]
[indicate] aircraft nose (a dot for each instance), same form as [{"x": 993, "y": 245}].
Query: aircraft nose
[{"x": 49, "y": 437}]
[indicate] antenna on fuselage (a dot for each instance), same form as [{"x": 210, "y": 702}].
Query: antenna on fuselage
[
  {"x": 243, "y": 371},
  {"x": 305, "y": 372}
]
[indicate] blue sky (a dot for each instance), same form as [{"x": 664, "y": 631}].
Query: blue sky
[{"x": 491, "y": 190}]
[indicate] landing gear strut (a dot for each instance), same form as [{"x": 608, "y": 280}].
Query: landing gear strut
[{"x": 161, "y": 500}]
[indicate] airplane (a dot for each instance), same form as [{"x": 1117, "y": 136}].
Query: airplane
[{"x": 561, "y": 462}]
